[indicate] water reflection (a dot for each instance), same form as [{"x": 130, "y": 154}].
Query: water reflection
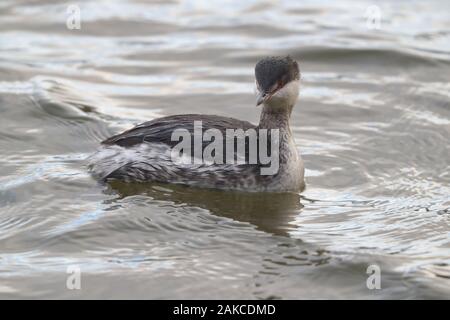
[{"x": 272, "y": 213}]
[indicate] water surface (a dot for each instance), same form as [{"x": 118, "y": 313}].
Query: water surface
[{"x": 372, "y": 124}]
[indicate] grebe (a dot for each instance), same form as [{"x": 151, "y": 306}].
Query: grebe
[{"x": 145, "y": 152}]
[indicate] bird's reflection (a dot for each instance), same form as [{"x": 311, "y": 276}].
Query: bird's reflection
[{"x": 269, "y": 212}]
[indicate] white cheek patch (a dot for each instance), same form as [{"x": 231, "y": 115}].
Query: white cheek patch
[{"x": 289, "y": 92}]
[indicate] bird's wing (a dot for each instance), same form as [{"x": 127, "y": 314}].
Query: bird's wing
[{"x": 160, "y": 130}]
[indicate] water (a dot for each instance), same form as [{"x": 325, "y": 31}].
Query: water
[{"x": 372, "y": 124}]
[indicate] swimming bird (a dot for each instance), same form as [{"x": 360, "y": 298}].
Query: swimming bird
[{"x": 145, "y": 153}]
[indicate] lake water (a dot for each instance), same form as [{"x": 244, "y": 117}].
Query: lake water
[{"x": 372, "y": 124}]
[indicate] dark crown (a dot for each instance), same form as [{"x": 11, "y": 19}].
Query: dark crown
[{"x": 278, "y": 71}]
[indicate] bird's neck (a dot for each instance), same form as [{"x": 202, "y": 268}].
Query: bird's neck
[{"x": 276, "y": 117}]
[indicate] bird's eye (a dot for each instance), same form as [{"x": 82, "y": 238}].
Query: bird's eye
[{"x": 280, "y": 84}]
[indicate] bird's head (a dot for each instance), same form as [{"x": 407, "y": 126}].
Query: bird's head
[{"x": 277, "y": 82}]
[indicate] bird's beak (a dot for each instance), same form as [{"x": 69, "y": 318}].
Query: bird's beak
[{"x": 261, "y": 97}]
